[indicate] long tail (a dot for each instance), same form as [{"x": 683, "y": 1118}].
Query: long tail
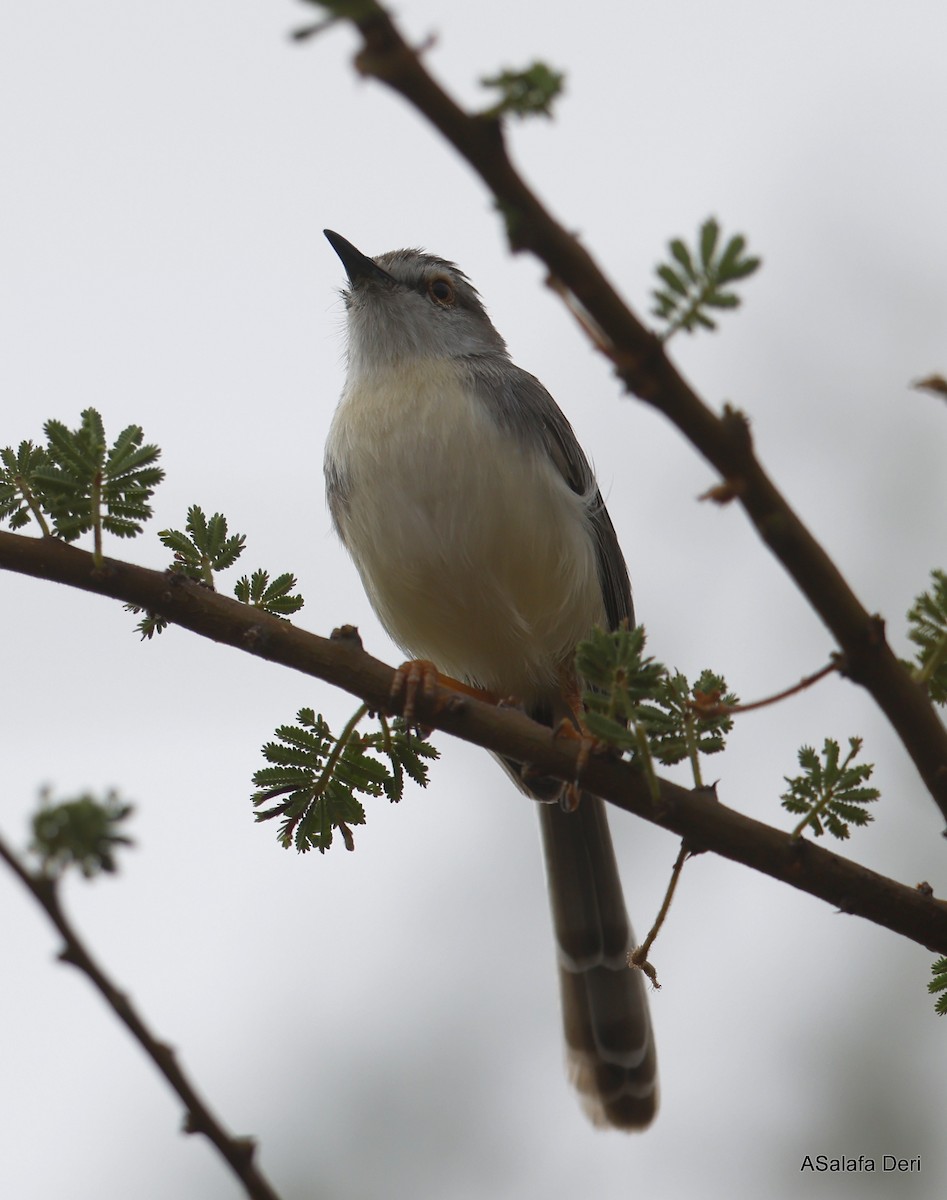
[{"x": 611, "y": 1053}]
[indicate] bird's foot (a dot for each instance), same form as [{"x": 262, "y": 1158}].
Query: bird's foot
[
  {"x": 588, "y": 745},
  {"x": 419, "y": 679}
]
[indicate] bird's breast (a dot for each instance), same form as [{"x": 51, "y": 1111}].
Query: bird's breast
[{"x": 474, "y": 551}]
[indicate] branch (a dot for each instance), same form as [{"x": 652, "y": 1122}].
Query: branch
[
  {"x": 237, "y": 1152},
  {"x": 694, "y": 815},
  {"x": 647, "y": 372}
]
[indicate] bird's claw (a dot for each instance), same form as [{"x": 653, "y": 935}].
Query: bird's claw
[
  {"x": 417, "y": 677},
  {"x": 588, "y": 745}
]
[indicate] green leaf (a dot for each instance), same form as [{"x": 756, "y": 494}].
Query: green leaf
[
  {"x": 81, "y": 484},
  {"x": 84, "y": 833},
  {"x": 682, "y": 254},
  {"x": 731, "y": 256},
  {"x": 316, "y": 778},
  {"x": 829, "y": 794},
  {"x": 709, "y": 235},
  {"x": 526, "y": 93},
  {"x": 204, "y": 548},
  {"x": 665, "y": 304},
  {"x": 19, "y": 503},
  {"x": 611, "y": 732},
  {"x": 272, "y": 597},
  {"x": 80, "y": 452},
  {"x": 927, "y": 629},
  {"x": 178, "y": 543},
  {"x": 741, "y": 270},
  {"x": 683, "y": 303},
  {"x": 406, "y": 752},
  {"x": 939, "y": 984},
  {"x": 150, "y": 624},
  {"x": 636, "y": 706},
  {"x": 691, "y": 725},
  {"x": 722, "y": 300},
  {"x": 673, "y": 280}
]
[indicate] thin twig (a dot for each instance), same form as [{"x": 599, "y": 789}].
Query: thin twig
[
  {"x": 237, "y": 1152},
  {"x": 719, "y": 709},
  {"x": 639, "y": 956}
]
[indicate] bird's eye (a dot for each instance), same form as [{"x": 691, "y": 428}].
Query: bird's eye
[{"x": 439, "y": 289}]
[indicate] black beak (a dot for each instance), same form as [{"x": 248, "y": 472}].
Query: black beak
[{"x": 358, "y": 266}]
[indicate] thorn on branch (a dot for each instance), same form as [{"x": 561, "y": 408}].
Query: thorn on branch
[
  {"x": 245, "y": 1148},
  {"x": 305, "y": 32},
  {"x": 876, "y": 630},
  {"x": 935, "y": 384},
  {"x": 736, "y": 425}
]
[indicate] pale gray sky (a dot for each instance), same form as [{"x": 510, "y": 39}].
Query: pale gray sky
[{"x": 386, "y": 1022}]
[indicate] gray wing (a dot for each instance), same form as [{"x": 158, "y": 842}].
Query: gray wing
[
  {"x": 519, "y": 402},
  {"x": 336, "y": 493}
]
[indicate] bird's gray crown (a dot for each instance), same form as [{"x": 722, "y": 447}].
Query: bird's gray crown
[{"x": 407, "y": 304}]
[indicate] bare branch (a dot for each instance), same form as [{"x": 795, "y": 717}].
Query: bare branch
[
  {"x": 694, "y": 815},
  {"x": 237, "y": 1152}
]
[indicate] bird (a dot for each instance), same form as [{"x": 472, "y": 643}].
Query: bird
[{"x": 474, "y": 519}]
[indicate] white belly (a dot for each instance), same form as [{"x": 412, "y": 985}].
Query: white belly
[{"x": 474, "y": 553}]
